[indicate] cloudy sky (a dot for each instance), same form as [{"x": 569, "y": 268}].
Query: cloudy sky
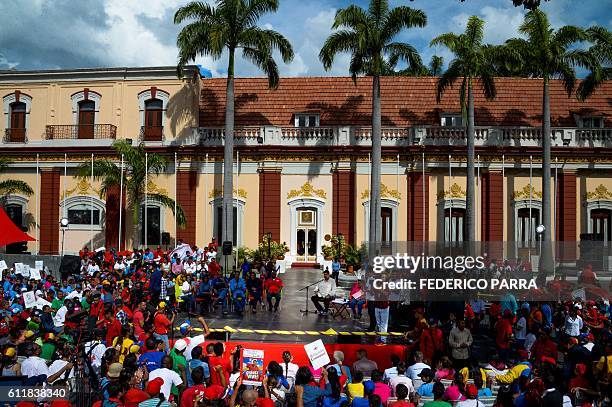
[{"x": 50, "y": 34}]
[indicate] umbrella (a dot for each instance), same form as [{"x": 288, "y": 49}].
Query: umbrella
[{"x": 10, "y": 232}]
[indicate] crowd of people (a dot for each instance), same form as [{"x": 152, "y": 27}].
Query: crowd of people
[{"x": 132, "y": 326}]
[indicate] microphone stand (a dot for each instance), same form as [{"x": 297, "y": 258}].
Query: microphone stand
[{"x": 306, "y": 311}]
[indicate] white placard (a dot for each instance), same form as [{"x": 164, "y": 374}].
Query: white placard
[
  {"x": 39, "y": 264},
  {"x": 317, "y": 354},
  {"x": 19, "y": 268},
  {"x": 357, "y": 295},
  {"x": 579, "y": 293},
  {"x": 35, "y": 274},
  {"x": 3, "y": 265},
  {"x": 40, "y": 303},
  {"x": 29, "y": 299}
]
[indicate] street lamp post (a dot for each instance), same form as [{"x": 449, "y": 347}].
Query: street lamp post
[
  {"x": 539, "y": 230},
  {"x": 64, "y": 225},
  {"x": 269, "y": 236}
]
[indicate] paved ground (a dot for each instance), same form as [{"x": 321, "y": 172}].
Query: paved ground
[{"x": 289, "y": 316}]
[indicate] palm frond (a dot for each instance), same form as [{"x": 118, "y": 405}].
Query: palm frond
[
  {"x": 337, "y": 42},
  {"x": 264, "y": 61},
  {"x": 350, "y": 17},
  {"x": 449, "y": 40},
  {"x": 267, "y": 40},
  {"x": 592, "y": 81},
  {"x": 474, "y": 31},
  {"x": 13, "y": 186},
  {"x": 435, "y": 65},
  {"x": 257, "y": 8},
  {"x": 169, "y": 203},
  {"x": 448, "y": 78},
  {"x": 567, "y": 35},
  {"x": 399, "y": 18},
  {"x": 405, "y": 52}
]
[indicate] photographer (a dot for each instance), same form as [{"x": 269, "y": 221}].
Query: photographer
[{"x": 162, "y": 324}]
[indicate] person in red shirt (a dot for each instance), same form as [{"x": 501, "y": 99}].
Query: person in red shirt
[
  {"x": 544, "y": 346},
  {"x": 190, "y": 394},
  {"x": 503, "y": 335},
  {"x": 213, "y": 245},
  {"x": 112, "y": 325},
  {"x": 273, "y": 287},
  {"x": 214, "y": 268},
  {"x": 161, "y": 324},
  {"x": 220, "y": 366},
  {"x": 139, "y": 318}
]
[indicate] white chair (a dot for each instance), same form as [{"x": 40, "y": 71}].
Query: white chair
[{"x": 487, "y": 401}]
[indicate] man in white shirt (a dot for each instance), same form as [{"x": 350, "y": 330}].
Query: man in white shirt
[
  {"x": 189, "y": 266},
  {"x": 325, "y": 292},
  {"x": 92, "y": 268},
  {"x": 401, "y": 378},
  {"x": 95, "y": 350},
  {"x": 120, "y": 265},
  {"x": 60, "y": 316},
  {"x": 520, "y": 330},
  {"x": 573, "y": 323},
  {"x": 414, "y": 370},
  {"x": 169, "y": 376},
  {"x": 36, "y": 366},
  {"x": 77, "y": 293}
]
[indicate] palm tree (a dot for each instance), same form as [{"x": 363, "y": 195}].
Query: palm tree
[
  {"x": 548, "y": 54},
  {"x": 11, "y": 186},
  {"x": 135, "y": 174},
  {"x": 601, "y": 54},
  {"x": 368, "y": 36},
  {"x": 471, "y": 63},
  {"x": 230, "y": 26}
]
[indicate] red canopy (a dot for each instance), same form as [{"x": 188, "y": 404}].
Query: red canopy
[{"x": 10, "y": 232}]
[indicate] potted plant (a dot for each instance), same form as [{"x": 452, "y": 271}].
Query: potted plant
[
  {"x": 352, "y": 257},
  {"x": 328, "y": 252}
]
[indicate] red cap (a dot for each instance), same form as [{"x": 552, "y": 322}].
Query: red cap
[
  {"x": 262, "y": 402},
  {"x": 471, "y": 391},
  {"x": 214, "y": 392},
  {"x": 573, "y": 341},
  {"x": 154, "y": 386},
  {"x": 546, "y": 359}
]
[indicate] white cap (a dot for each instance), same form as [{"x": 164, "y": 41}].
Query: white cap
[{"x": 180, "y": 345}]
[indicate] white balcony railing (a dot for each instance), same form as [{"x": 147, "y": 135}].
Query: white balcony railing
[{"x": 402, "y": 136}]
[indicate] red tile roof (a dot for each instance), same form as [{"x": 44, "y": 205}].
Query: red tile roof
[{"x": 405, "y": 102}]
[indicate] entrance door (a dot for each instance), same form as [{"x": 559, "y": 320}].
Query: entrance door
[
  {"x": 153, "y": 227},
  {"x": 87, "y": 114},
  {"x": 601, "y": 223},
  {"x": 153, "y": 120},
  {"x": 306, "y": 235}
]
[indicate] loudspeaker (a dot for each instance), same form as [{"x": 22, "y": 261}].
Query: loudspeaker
[
  {"x": 227, "y": 248},
  {"x": 166, "y": 238},
  {"x": 70, "y": 265}
]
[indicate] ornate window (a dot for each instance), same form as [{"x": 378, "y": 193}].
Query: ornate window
[
  {"x": 217, "y": 215},
  {"x": 153, "y": 104},
  {"x": 85, "y": 108},
  {"x": 307, "y": 119},
  {"x": 451, "y": 120},
  {"x": 527, "y": 217},
  {"x": 83, "y": 211}
]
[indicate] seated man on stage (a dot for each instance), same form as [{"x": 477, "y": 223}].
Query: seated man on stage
[
  {"x": 273, "y": 287},
  {"x": 205, "y": 292},
  {"x": 238, "y": 291},
  {"x": 254, "y": 288},
  {"x": 220, "y": 285},
  {"x": 325, "y": 291}
]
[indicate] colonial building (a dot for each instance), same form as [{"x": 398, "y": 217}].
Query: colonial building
[{"x": 302, "y": 158}]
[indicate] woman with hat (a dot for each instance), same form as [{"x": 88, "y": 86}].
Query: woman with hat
[{"x": 10, "y": 366}]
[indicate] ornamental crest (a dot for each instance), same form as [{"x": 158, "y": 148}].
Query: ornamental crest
[
  {"x": 216, "y": 193},
  {"x": 601, "y": 193},
  {"x": 385, "y": 192},
  {"x": 152, "y": 188},
  {"x": 307, "y": 190},
  {"x": 455, "y": 191},
  {"x": 527, "y": 192},
  {"x": 83, "y": 187}
]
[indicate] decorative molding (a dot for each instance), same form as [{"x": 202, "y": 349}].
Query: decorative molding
[
  {"x": 307, "y": 190},
  {"x": 601, "y": 193},
  {"x": 385, "y": 192},
  {"x": 152, "y": 188},
  {"x": 527, "y": 192},
  {"x": 455, "y": 191},
  {"x": 83, "y": 187},
  {"x": 216, "y": 193}
]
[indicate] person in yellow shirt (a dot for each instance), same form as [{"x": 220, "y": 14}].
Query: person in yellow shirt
[
  {"x": 355, "y": 389},
  {"x": 521, "y": 368},
  {"x": 123, "y": 344}
]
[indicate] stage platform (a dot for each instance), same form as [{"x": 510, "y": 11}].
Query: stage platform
[{"x": 289, "y": 318}]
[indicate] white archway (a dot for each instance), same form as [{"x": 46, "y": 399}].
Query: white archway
[
  {"x": 239, "y": 205},
  {"x": 83, "y": 203},
  {"x": 147, "y": 95},
  {"x": 384, "y": 203},
  {"x": 81, "y": 96},
  {"x": 11, "y": 98}
]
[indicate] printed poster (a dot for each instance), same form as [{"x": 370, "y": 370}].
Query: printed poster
[
  {"x": 3, "y": 265},
  {"x": 29, "y": 299},
  {"x": 252, "y": 368},
  {"x": 317, "y": 354},
  {"x": 35, "y": 274},
  {"x": 39, "y": 264}
]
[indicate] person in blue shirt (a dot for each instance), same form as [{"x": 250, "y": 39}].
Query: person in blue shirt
[
  {"x": 368, "y": 391},
  {"x": 205, "y": 291},
  {"x": 195, "y": 362},
  {"x": 153, "y": 358},
  {"x": 245, "y": 268},
  {"x": 308, "y": 390},
  {"x": 335, "y": 399},
  {"x": 335, "y": 269},
  {"x": 238, "y": 290},
  {"x": 220, "y": 286},
  {"x": 426, "y": 389}
]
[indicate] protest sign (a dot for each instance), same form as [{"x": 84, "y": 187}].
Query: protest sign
[
  {"x": 35, "y": 274},
  {"x": 39, "y": 264},
  {"x": 317, "y": 354},
  {"x": 252, "y": 367},
  {"x": 29, "y": 299}
]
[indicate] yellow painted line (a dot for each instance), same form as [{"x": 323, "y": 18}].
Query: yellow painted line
[
  {"x": 358, "y": 333},
  {"x": 282, "y": 332},
  {"x": 396, "y": 333},
  {"x": 313, "y": 333},
  {"x": 246, "y": 331},
  {"x": 263, "y": 331},
  {"x": 298, "y": 332},
  {"x": 371, "y": 333},
  {"x": 329, "y": 332},
  {"x": 344, "y": 333}
]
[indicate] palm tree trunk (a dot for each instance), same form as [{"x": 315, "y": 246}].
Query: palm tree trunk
[
  {"x": 375, "y": 220},
  {"x": 546, "y": 255},
  {"x": 469, "y": 196},
  {"x": 228, "y": 156}
]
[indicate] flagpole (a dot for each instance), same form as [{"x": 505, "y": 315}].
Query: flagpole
[
  {"x": 120, "y": 203},
  {"x": 423, "y": 190},
  {"x": 237, "y": 189},
  {"x": 555, "y": 215},
  {"x": 450, "y": 210},
  {"x": 91, "y": 209},
  {"x": 146, "y": 199},
  {"x": 206, "y": 197},
  {"x": 503, "y": 185},
  {"x": 65, "y": 176},
  {"x": 477, "y": 192},
  {"x": 176, "y": 196},
  {"x": 37, "y": 224},
  {"x": 530, "y": 202}
]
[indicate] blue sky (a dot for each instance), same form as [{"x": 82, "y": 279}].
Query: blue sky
[{"x": 48, "y": 34}]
